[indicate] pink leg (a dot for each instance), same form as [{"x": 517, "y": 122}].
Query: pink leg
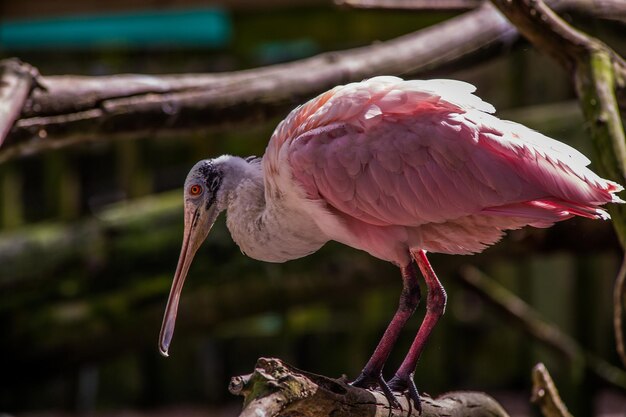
[
  {"x": 371, "y": 376},
  {"x": 435, "y": 307}
]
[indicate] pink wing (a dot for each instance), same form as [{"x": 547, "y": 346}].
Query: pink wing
[{"x": 388, "y": 152}]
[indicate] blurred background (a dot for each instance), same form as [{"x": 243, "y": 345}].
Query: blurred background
[{"x": 90, "y": 235}]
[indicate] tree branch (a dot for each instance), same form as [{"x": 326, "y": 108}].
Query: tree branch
[
  {"x": 80, "y": 109},
  {"x": 549, "y": 33},
  {"x": 277, "y": 389},
  {"x": 17, "y": 80}
]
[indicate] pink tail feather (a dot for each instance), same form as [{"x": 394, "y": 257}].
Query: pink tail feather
[{"x": 545, "y": 212}]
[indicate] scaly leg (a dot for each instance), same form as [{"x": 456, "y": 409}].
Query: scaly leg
[
  {"x": 371, "y": 375},
  {"x": 435, "y": 307}
]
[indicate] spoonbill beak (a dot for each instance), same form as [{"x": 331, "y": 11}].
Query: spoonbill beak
[{"x": 198, "y": 223}]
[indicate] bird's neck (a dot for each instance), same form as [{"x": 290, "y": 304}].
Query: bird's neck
[{"x": 264, "y": 228}]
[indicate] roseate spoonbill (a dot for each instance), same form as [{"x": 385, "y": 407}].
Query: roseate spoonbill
[{"x": 395, "y": 168}]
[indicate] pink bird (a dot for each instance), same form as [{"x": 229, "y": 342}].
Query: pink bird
[{"x": 395, "y": 168}]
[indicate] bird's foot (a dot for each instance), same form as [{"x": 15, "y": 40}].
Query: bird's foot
[
  {"x": 406, "y": 384},
  {"x": 369, "y": 381}
]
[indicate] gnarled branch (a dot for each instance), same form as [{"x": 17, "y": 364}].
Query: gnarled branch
[{"x": 277, "y": 389}]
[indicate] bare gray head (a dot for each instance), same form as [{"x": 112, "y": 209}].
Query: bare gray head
[{"x": 208, "y": 188}]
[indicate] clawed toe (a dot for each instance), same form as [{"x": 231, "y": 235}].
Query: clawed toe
[
  {"x": 402, "y": 385},
  {"x": 396, "y": 384},
  {"x": 376, "y": 381}
]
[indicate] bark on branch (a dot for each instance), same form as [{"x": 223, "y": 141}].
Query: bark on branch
[
  {"x": 277, "y": 389},
  {"x": 80, "y": 109},
  {"x": 17, "y": 80}
]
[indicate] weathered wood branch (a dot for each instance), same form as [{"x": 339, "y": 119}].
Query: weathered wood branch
[
  {"x": 545, "y": 394},
  {"x": 78, "y": 109},
  {"x": 277, "y": 389},
  {"x": 17, "y": 80}
]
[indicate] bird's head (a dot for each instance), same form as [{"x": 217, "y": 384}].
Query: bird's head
[{"x": 205, "y": 198}]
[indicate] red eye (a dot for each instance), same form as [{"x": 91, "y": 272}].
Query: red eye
[{"x": 195, "y": 189}]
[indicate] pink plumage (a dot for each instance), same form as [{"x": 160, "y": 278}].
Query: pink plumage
[
  {"x": 424, "y": 165},
  {"x": 396, "y": 168}
]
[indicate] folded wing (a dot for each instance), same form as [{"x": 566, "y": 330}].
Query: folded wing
[{"x": 411, "y": 153}]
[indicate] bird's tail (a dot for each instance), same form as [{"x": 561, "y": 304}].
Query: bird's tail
[{"x": 545, "y": 212}]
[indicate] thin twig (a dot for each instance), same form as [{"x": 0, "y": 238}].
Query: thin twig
[
  {"x": 532, "y": 323},
  {"x": 545, "y": 394}
]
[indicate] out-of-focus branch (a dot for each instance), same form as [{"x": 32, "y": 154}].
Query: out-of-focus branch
[
  {"x": 532, "y": 323},
  {"x": 545, "y": 394},
  {"x": 78, "y": 109},
  {"x": 17, "y": 80}
]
